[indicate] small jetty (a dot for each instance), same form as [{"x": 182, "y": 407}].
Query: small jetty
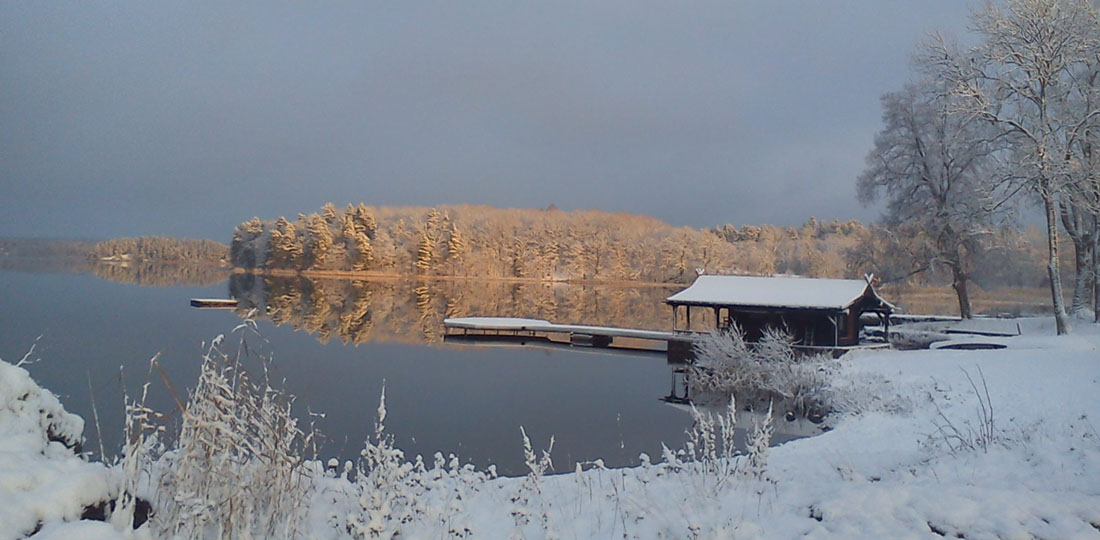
[
  {"x": 213, "y": 303},
  {"x": 538, "y": 332}
]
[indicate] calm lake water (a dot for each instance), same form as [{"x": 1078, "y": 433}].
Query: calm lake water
[
  {"x": 336, "y": 342},
  {"x": 470, "y": 401}
]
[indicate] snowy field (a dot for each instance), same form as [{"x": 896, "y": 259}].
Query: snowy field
[{"x": 956, "y": 443}]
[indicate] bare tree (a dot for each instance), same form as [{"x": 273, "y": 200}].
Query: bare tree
[
  {"x": 933, "y": 167},
  {"x": 1024, "y": 78}
]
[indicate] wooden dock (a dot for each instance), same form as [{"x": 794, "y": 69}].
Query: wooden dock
[
  {"x": 677, "y": 346},
  {"x": 537, "y": 332}
]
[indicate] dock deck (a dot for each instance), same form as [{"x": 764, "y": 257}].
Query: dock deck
[
  {"x": 499, "y": 325},
  {"x": 678, "y": 345}
]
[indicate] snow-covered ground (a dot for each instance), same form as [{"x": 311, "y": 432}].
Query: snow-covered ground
[
  {"x": 974, "y": 444},
  {"x": 42, "y": 479}
]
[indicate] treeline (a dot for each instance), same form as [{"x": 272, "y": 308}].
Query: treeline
[
  {"x": 42, "y": 248},
  {"x": 161, "y": 249},
  {"x": 479, "y": 241},
  {"x": 555, "y": 245},
  {"x": 550, "y": 245}
]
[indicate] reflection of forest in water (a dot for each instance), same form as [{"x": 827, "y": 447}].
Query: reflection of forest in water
[
  {"x": 151, "y": 274},
  {"x": 412, "y": 311},
  {"x": 143, "y": 273}
]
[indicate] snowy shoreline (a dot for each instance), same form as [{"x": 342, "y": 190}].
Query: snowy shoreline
[{"x": 913, "y": 455}]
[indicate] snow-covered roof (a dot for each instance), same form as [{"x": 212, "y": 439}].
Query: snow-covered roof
[{"x": 773, "y": 292}]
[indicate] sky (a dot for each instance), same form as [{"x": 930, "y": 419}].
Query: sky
[{"x": 186, "y": 118}]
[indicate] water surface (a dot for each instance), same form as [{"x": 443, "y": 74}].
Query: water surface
[{"x": 465, "y": 400}]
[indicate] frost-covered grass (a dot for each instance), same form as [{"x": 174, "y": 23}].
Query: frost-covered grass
[
  {"x": 892, "y": 465},
  {"x": 237, "y": 467}
]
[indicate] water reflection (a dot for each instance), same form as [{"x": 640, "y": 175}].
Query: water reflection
[
  {"x": 403, "y": 311},
  {"x": 143, "y": 273}
]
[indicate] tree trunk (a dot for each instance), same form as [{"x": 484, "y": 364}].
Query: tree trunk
[
  {"x": 958, "y": 283},
  {"x": 1084, "y": 278},
  {"x": 1096, "y": 270},
  {"x": 1077, "y": 222},
  {"x": 1058, "y": 303}
]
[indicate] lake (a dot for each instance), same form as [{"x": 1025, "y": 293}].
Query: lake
[{"x": 335, "y": 343}]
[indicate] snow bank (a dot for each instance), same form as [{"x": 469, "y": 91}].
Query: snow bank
[
  {"x": 978, "y": 444},
  {"x": 908, "y": 459},
  {"x": 42, "y": 480}
]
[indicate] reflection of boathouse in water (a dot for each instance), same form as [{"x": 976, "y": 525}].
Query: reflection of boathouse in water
[{"x": 816, "y": 312}]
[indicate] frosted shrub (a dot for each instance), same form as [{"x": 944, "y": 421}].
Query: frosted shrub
[
  {"x": 389, "y": 488},
  {"x": 237, "y": 468},
  {"x": 710, "y": 456},
  {"x": 767, "y": 371},
  {"x": 710, "y": 447},
  {"x": 756, "y": 462},
  {"x": 531, "y": 488},
  {"x": 398, "y": 498}
]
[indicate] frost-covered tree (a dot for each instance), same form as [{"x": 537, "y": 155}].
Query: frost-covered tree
[
  {"x": 934, "y": 169},
  {"x": 456, "y": 248},
  {"x": 1024, "y": 77},
  {"x": 319, "y": 241},
  {"x": 358, "y": 245},
  {"x": 285, "y": 249},
  {"x": 1080, "y": 206}
]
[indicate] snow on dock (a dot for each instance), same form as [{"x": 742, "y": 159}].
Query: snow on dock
[
  {"x": 514, "y": 325},
  {"x": 677, "y": 345}
]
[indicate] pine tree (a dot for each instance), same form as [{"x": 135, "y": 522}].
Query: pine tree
[
  {"x": 456, "y": 249},
  {"x": 424, "y": 252},
  {"x": 319, "y": 241}
]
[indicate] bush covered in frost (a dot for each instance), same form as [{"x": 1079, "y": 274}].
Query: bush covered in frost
[{"x": 769, "y": 371}]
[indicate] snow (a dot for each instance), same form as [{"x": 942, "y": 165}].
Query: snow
[
  {"x": 986, "y": 327},
  {"x": 41, "y": 480},
  {"x": 778, "y": 291},
  {"x": 509, "y": 324},
  {"x": 888, "y": 467}
]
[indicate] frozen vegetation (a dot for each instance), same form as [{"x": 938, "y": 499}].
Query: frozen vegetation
[{"x": 975, "y": 444}]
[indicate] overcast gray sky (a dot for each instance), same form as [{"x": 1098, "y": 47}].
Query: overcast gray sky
[{"x": 186, "y": 118}]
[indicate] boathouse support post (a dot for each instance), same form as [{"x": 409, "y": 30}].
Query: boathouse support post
[{"x": 836, "y": 330}]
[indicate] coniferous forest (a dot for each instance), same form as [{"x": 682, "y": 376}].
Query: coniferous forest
[{"x": 588, "y": 245}]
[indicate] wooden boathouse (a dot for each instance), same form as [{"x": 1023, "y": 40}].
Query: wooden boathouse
[{"x": 816, "y": 312}]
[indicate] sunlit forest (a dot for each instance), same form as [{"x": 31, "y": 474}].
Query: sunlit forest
[
  {"x": 588, "y": 245},
  {"x": 161, "y": 248}
]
